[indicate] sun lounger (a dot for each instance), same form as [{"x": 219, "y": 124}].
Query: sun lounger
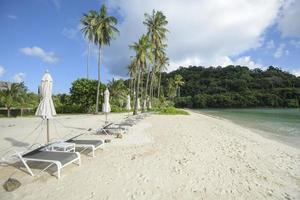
[
  {"x": 111, "y": 127},
  {"x": 86, "y": 144},
  {"x": 60, "y": 159}
]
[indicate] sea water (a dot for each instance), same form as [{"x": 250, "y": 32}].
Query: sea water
[{"x": 279, "y": 124}]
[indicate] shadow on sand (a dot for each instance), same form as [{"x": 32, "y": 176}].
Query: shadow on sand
[{"x": 16, "y": 143}]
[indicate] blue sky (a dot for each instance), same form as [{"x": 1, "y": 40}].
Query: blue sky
[{"x": 45, "y": 34}]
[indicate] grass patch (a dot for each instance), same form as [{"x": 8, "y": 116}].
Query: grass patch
[{"x": 171, "y": 111}]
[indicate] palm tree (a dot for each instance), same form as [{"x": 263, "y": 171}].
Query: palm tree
[
  {"x": 156, "y": 25},
  {"x": 132, "y": 72},
  {"x": 171, "y": 88},
  {"x": 163, "y": 63},
  {"x": 118, "y": 92},
  {"x": 104, "y": 32},
  {"x": 12, "y": 95},
  {"x": 88, "y": 29},
  {"x": 141, "y": 51},
  {"x": 178, "y": 83}
]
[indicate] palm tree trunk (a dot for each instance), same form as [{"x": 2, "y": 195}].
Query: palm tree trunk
[
  {"x": 87, "y": 60},
  {"x": 134, "y": 85},
  {"x": 147, "y": 83},
  {"x": 151, "y": 85},
  {"x": 8, "y": 111},
  {"x": 130, "y": 85},
  {"x": 135, "y": 111},
  {"x": 158, "y": 92},
  {"x": 98, "y": 86}
]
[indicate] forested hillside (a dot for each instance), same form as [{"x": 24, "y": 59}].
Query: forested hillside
[{"x": 235, "y": 86}]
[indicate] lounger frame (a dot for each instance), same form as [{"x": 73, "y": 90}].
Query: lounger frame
[{"x": 55, "y": 162}]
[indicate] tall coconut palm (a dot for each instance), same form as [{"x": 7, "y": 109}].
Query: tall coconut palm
[
  {"x": 88, "y": 29},
  {"x": 132, "y": 72},
  {"x": 163, "y": 63},
  {"x": 104, "y": 32},
  {"x": 156, "y": 25},
  {"x": 160, "y": 54},
  {"x": 141, "y": 51},
  {"x": 178, "y": 82}
]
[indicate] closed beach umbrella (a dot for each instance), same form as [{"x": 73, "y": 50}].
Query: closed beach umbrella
[
  {"x": 46, "y": 109},
  {"x": 128, "y": 106},
  {"x": 106, "y": 105}
]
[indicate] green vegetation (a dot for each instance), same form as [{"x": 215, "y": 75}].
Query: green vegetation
[
  {"x": 150, "y": 59},
  {"x": 17, "y": 96},
  {"x": 170, "y": 111},
  {"x": 233, "y": 87}
]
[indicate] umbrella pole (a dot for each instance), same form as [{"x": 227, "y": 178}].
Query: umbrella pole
[
  {"x": 106, "y": 118},
  {"x": 48, "y": 138}
]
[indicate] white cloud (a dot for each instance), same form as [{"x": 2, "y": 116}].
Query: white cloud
[
  {"x": 218, "y": 61},
  {"x": 288, "y": 23},
  {"x": 200, "y": 31},
  {"x": 48, "y": 57},
  {"x": 13, "y": 17},
  {"x": 296, "y": 72},
  {"x": 280, "y": 51},
  {"x": 2, "y": 70},
  {"x": 295, "y": 43},
  {"x": 19, "y": 77},
  {"x": 270, "y": 44},
  {"x": 71, "y": 33}
]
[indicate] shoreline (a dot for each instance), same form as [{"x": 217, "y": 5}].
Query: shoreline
[{"x": 287, "y": 140}]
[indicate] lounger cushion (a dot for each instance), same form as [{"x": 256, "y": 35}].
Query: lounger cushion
[{"x": 62, "y": 157}]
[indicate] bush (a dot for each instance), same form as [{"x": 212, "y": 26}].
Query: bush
[
  {"x": 171, "y": 111},
  {"x": 292, "y": 103},
  {"x": 115, "y": 108},
  {"x": 200, "y": 101},
  {"x": 69, "y": 109},
  {"x": 184, "y": 102}
]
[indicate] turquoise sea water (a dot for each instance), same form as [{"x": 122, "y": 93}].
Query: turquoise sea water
[{"x": 279, "y": 124}]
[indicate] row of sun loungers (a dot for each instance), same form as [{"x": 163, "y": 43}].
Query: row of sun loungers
[{"x": 65, "y": 154}]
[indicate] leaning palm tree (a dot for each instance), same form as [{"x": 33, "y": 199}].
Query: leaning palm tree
[
  {"x": 88, "y": 29},
  {"x": 156, "y": 25},
  {"x": 104, "y": 32},
  {"x": 141, "y": 51}
]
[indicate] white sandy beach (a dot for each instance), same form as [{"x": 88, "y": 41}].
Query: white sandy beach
[{"x": 162, "y": 157}]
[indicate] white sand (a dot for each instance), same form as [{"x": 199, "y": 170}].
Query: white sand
[{"x": 165, "y": 157}]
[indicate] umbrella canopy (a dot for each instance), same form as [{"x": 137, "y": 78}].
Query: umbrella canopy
[
  {"x": 128, "y": 107},
  {"x": 46, "y": 109},
  {"x": 106, "y": 105}
]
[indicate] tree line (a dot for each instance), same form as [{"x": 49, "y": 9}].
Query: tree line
[{"x": 233, "y": 87}]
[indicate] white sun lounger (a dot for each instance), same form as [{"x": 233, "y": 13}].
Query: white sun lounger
[
  {"x": 87, "y": 144},
  {"x": 60, "y": 159},
  {"x": 110, "y": 127}
]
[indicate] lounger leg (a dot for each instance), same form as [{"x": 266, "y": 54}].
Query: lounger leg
[
  {"x": 93, "y": 151},
  {"x": 58, "y": 173},
  {"x": 79, "y": 159},
  {"x": 25, "y": 164},
  {"x": 58, "y": 165}
]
